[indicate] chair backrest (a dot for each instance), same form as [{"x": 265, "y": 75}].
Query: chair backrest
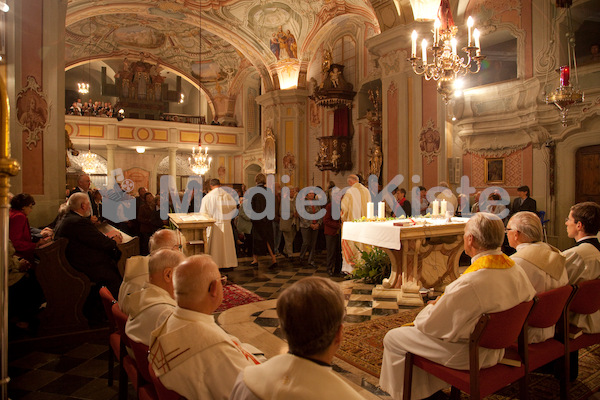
[
  {"x": 140, "y": 350},
  {"x": 501, "y": 329},
  {"x": 108, "y": 301},
  {"x": 549, "y": 307},
  {"x": 586, "y": 300},
  {"x": 120, "y": 320},
  {"x": 161, "y": 390}
]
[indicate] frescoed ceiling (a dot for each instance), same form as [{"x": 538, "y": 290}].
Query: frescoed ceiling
[{"x": 208, "y": 42}]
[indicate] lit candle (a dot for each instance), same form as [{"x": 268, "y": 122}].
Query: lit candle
[
  {"x": 381, "y": 209},
  {"x": 436, "y": 32},
  {"x": 435, "y": 207},
  {"x": 470, "y": 24},
  {"x": 424, "y": 50},
  {"x": 413, "y": 52},
  {"x": 443, "y": 207},
  {"x": 476, "y": 37},
  {"x": 453, "y": 42},
  {"x": 370, "y": 210},
  {"x": 564, "y": 76}
]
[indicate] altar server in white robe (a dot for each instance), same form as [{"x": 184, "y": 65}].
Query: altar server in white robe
[
  {"x": 150, "y": 306},
  {"x": 441, "y": 331},
  {"x": 311, "y": 312},
  {"x": 136, "y": 267},
  {"x": 353, "y": 206},
  {"x": 582, "y": 225},
  {"x": 220, "y": 206},
  {"x": 543, "y": 264},
  {"x": 189, "y": 352}
]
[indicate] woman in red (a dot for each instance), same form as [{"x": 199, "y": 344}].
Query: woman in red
[{"x": 19, "y": 231}]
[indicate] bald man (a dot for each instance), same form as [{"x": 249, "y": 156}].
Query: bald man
[
  {"x": 136, "y": 267},
  {"x": 189, "y": 352},
  {"x": 150, "y": 306},
  {"x": 354, "y": 206}
]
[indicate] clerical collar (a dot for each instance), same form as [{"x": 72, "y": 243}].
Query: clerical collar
[
  {"x": 324, "y": 364},
  {"x": 494, "y": 252},
  {"x": 586, "y": 237}
]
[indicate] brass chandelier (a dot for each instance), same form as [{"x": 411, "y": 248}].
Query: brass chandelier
[
  {"x": 446, "y": 64},
  {"x": 200, "y": 161}
]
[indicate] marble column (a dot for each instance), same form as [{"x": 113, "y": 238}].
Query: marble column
[{"x": 173, "y": 163}]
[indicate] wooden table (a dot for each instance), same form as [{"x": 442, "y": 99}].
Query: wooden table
[
  {"x": 193, "y": 228},
  {"x": 422, "y": 255}
]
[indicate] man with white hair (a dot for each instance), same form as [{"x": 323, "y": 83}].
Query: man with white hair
[
  {"x": 136, "y": 267},
  {"x": 189, "y": 352},
  {"x": 88, "y": 250},
  {"x": 353, "y": 206},
  {"x": 543, "y": 264},
  {"x": 441, "y": 331},
  {"x": 220, "y": 206},
  {"x": 150, "y": 306},
  {"x": 84, "y": 182}
]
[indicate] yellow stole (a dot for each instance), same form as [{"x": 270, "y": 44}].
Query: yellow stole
[{"x": 492, "y": 261}]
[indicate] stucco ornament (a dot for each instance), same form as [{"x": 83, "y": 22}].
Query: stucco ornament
[{"x": 32, "y": 112}]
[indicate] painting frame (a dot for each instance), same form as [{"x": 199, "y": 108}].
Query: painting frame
[{"x": 494, "y": 171}]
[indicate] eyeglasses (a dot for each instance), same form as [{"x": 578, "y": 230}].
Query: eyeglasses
[
  {"x": 223, "y": 280},
  {"x": 508, "y": 229}
]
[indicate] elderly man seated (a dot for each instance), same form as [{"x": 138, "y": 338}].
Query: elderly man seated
[
  {"x": 441, "y": 331},
  {"x": 89, "y": 250},
  {"x": 136, "y": 268},
  {"x": 543, "y": 264},
  {"x": 189, "y": 352},
  {"x": 151, "y": 305},
  {"x": 311, "y": 312}
]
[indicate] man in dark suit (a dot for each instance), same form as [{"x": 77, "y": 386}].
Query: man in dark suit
[
  {"x": 83, "y": 186},
  {"x": 90, "y": 251},
  {"x": 523, "y": 202}
]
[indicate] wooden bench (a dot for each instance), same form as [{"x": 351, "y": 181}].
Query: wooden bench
[{"x": 65, "y": 289}]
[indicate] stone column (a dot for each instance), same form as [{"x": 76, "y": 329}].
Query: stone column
[
  {"x": 110, "y": 160},
  {"x": 173, "y": 162}
]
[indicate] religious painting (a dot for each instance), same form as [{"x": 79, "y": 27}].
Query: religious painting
[
  {"x": 283, "y": 44},
  {"x": 139, "y": 176},
  {"x": 32, "y": 112},
  {"x": 494, "y": 171},
  {"x": 429, "y": 141},
  {"x": 289, "y": 162},
  {"x": 269, "y": 152}
]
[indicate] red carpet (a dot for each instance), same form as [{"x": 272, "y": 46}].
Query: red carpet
[{"x": 234, "y": 295}]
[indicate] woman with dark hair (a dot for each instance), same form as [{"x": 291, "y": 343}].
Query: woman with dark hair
[
  {"x": 262, "y": 229},
  {"x": 19, "y": 230}
]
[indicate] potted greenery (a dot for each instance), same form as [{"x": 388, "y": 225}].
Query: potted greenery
[{"x": 373, "y": 266}]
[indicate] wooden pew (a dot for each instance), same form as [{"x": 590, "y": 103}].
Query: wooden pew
[
  {"x": 129, "y": 249},
  {"x": 65, "y": 289}
]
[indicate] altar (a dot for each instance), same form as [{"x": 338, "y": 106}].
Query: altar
[
  {"x": 193, "y": 228},
  {"x": 424, "y": 253}
]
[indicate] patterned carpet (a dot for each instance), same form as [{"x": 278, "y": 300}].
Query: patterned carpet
[
  {"x": 362, "y": 347},
  {"x": 234, "y": 295}
]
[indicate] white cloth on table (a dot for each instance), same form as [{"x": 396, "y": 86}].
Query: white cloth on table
[
  {"x": 217, "y": 204},
  {"x": 288, "y": 377},
  {"x": 353, "y": 206},
  {"x": 442, "y": 330}
]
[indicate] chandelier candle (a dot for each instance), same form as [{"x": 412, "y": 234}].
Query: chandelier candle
[{"x": 564, "y": 76}]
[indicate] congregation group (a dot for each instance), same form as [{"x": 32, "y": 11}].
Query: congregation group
[{"x": 170, "y": 299}]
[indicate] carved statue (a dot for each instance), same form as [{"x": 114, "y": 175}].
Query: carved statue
[
  {"x": 335, "y": 157},
  {"x": 376, "y": 161}
]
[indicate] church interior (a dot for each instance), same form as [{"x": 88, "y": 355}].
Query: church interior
[{"x": 309, "y": 91}]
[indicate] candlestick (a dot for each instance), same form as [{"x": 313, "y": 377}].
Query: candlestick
[
  {"x": 435, "y": 207},
  {"x": 436, "y": 32},
  {"x": 453, "y": 42},
  {"x": 470, "y": 24},
  {"x": 476, "y": 37},
  {"x": 370, "y": 210},
  {"x": 414, "y": 44},
  {"x": 564, "y": 76},
  {"x": 443, "y": 207},
  {"x": 424, "y": 51},
  {"x": 381, "y": 209}
]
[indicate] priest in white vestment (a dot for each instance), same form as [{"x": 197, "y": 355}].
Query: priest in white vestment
[
  {"x": 441, "y": 331},
  {"x": 189, "y": 352},
  {"x": 136, "y": 267},
  {"x": 311, "y": 312},
  {"x": 150, "y": 306},
  {"x": 543, "y": 264},
  {"x": 353, "y": 206},
  {"x": 220, "y": 206}
]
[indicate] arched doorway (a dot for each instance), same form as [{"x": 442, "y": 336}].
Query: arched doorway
[{"x": 251, "y": 171}]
